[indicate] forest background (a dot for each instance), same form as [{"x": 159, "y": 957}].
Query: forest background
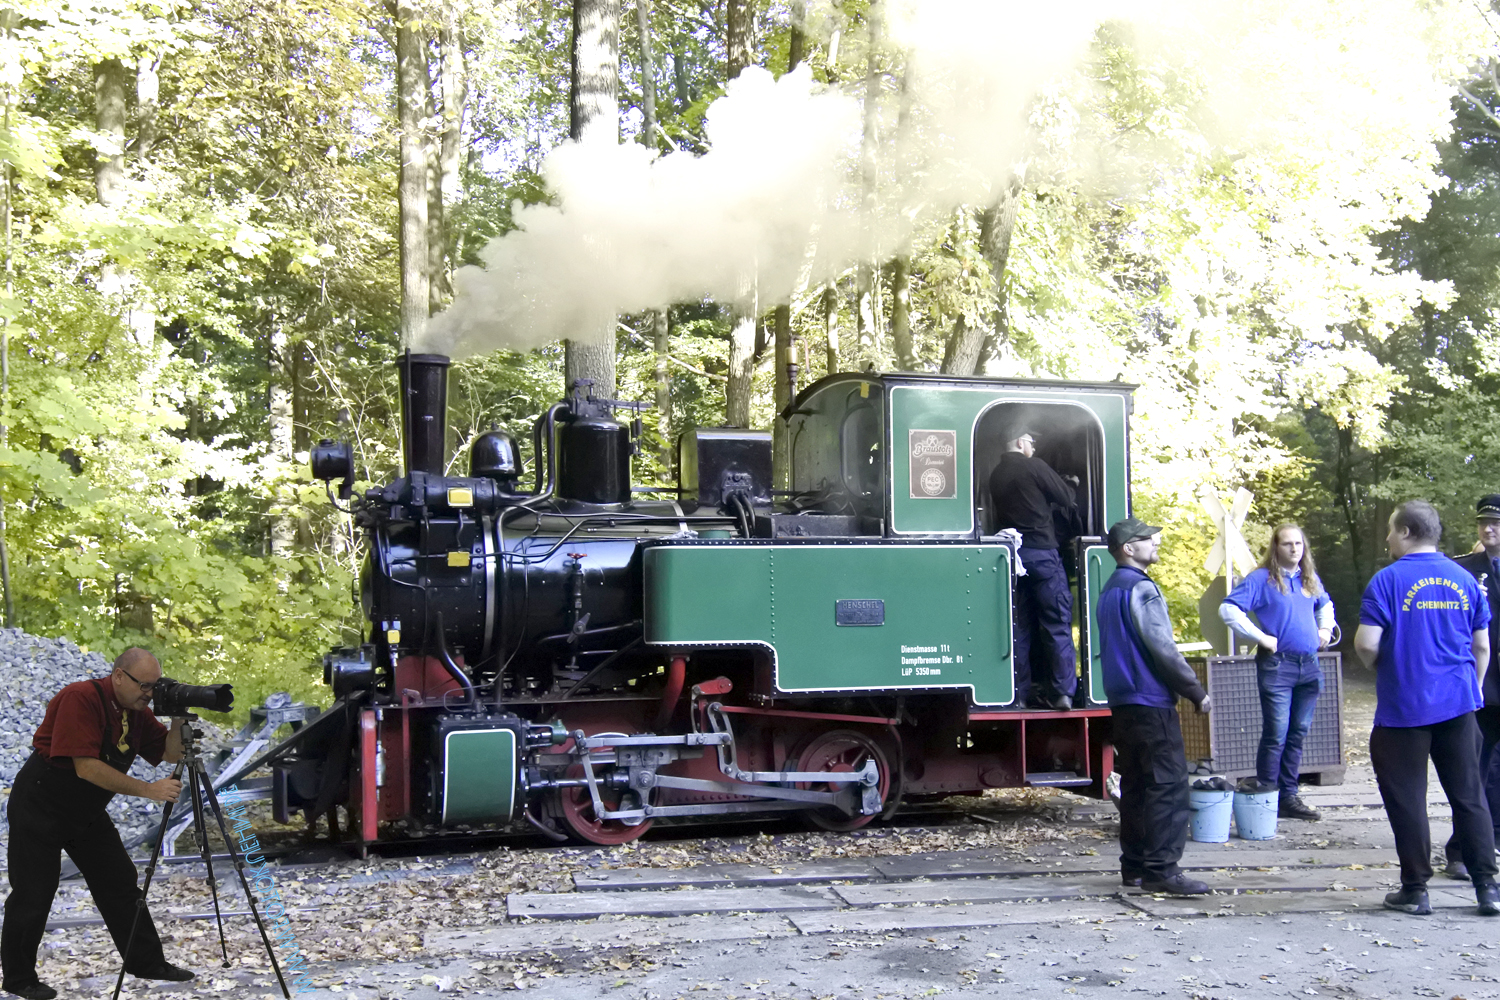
[{"x": 222, "y": 220}]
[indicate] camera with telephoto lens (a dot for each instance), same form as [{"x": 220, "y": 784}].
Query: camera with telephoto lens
[{"x": 176, "y": 698}]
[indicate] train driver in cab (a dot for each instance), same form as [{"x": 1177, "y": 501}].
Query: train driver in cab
[{"x": 1025, "y": 491}]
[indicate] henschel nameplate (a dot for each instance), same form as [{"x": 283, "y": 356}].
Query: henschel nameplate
[{"x": 868, "y": 612}]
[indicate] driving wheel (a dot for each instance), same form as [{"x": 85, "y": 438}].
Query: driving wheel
[{"x": 842, "y": 751}]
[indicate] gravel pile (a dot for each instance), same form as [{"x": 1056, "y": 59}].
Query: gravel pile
[{"x": 32, "y": 670}]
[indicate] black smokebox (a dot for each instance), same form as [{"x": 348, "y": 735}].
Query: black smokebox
[{"x": 424, "y": 411}]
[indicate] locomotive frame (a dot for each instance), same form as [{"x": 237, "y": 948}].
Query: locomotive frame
[{"x": 580, "y": 658}]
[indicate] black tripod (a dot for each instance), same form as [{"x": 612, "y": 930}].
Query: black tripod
[{"x": 199, "y": 787}]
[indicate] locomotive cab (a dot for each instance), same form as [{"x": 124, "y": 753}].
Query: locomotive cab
[{"x": 1069, "y": 438}]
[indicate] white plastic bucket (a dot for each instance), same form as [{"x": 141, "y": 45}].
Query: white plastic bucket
[
  {"x": 1211, "y": 811},
  {"x": 1255, "y": 814}
]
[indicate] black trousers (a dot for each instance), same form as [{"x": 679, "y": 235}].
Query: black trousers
[
  {"x": 1153, "y": 789},
  {"x": 1489, "y": 774},
  {"x": 1399, "y": 755},
  {"x": 40, "y": 829}
]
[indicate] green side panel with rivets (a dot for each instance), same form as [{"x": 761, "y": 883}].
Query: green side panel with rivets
[
  {"x": 1098, "y": 564},
  {"x": 946, "y": 612},
  {"x": 479, "y": 775},
  {"x": 957, "y": 409}
]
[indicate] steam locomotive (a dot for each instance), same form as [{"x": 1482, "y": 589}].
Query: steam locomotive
[{"x": 575, "y": 655}]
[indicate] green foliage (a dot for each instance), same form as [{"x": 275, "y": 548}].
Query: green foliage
[{"x": 1269, "y": 272}]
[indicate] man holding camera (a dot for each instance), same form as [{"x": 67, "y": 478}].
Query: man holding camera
[{"x": 92, "y": 732}]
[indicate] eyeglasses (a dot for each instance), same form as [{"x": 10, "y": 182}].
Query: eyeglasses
[{"x": 145, "y": 688}]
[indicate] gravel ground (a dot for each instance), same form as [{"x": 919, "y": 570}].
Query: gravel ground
[
  {"x": 343, "y": 916},
  {"x": 32, "y": 670},
  {"x": 347, "y": 918}
]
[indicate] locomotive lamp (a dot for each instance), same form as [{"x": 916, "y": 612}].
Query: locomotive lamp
[{"x": 334, "y": 460}]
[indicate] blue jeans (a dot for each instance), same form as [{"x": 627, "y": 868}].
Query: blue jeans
[{"x": 1289, "y": 684}]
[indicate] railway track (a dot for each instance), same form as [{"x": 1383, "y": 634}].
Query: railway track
[{"x": 636, "y": 892}]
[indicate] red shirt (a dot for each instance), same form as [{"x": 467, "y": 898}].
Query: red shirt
[{"x": 75, "y": 726}]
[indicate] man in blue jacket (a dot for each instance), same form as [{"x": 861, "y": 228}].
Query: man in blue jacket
[
  {"x": 1424, "y": 627},
  {"x": 1144, "y": 674}
]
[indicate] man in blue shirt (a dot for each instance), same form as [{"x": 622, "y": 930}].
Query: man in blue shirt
[
  {"x": 1144, "y": 675},
  {"x": 1424, "y": 627},
  {"x": 1296, "y": 620},
  {"x": 1485, "y": 565}
]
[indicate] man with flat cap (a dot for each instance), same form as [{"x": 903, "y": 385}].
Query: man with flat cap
[
  {"x": 83, "y": 749},
  {"x": 1484, "y": 563},
  {"x": 1025, "y": 490},
  {"x": 1144, "y": 675}
]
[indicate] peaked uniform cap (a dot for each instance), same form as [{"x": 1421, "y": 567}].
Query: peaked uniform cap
[{"x": 1128, "y": 530}]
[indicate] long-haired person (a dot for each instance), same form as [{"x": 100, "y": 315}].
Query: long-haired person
[{"x": 1295, "y": 620}]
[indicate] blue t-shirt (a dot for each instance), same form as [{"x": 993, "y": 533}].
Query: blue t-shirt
[
  {"x": 1429, "y": 607},
  {"x": 1291, "y": 617}
]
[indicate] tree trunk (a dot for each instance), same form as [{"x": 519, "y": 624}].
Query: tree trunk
[
  {"x": 867, "y": 322},
  {"x": 796, "y": 49},
  {"x": 995, "y": 228},
  {"x": 283, "y": 529},
  {"x": 900, "y": 274},
  {"x": 680, "y": 80},
  {"x": 147, "y": 91},
  {"x": 648, "y": 75},
  {"x": 412, "y": 94},
  {"x": 445, "y": 153},
  {"x": 961, "y": 352},
  {"x": 831, "y": 327},
  {"x": 594, "y": 97},
  {"x": 785, "y": 357},
  {"x": 739, "y": 22},
  {"x": 661, "y": 340},
  {"x": 109, "y": 113},
  {"x": 595, "y": 117},
  {"x": 140, "y": 313},
  {"x": 737, "y": 391}
]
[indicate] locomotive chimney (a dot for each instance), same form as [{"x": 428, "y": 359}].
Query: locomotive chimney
[{"x": 424, "y": 411}]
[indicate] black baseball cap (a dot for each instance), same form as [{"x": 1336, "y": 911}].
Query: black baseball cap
[
  {"x": 1488, "y": 506},
  {"x": 1128, "y": 530}
]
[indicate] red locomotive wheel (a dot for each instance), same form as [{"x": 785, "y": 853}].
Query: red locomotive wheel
[
  {"x": 576, "y": 807},
  {"x": 842, "y": 750}
]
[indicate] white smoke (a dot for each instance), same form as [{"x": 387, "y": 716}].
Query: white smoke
[
  {"x": 629, "y": 233},
  {"x": 778, "y": 195}
]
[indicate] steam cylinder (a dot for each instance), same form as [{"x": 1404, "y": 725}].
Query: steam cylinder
[
  {"x": 424, "y": 412},
  {"x": 593, "y": 460}
]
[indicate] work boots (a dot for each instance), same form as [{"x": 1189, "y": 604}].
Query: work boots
[{"x": 1292, "y": 807}]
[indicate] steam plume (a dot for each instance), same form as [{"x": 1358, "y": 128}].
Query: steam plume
[{"x": 777, "y": 196}]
